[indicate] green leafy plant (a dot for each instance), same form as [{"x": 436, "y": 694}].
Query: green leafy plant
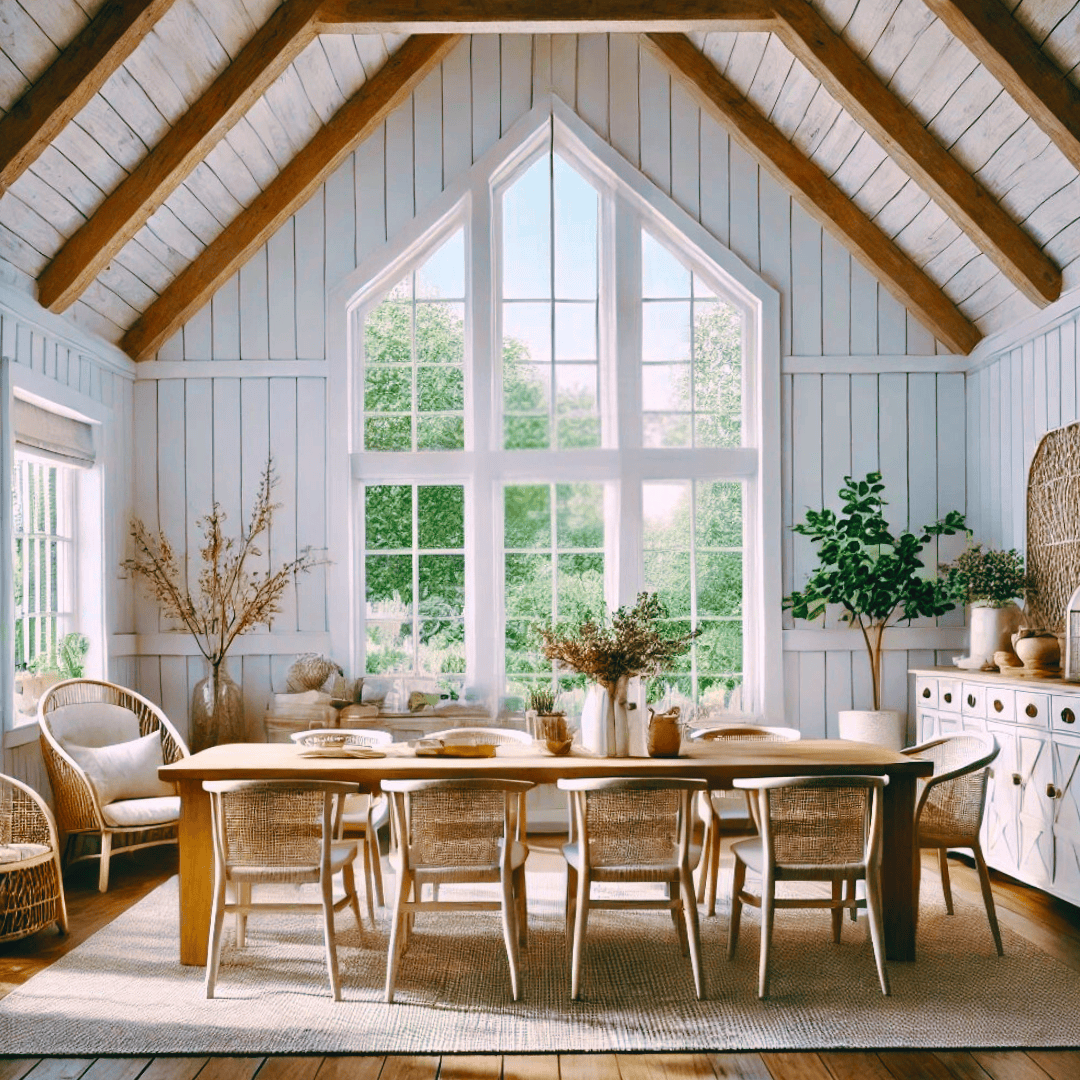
[
  {"x": 988, "y": 578},
  {"x": 873, "y": 573},
  {"x": 632, "y": 642},
  {"x": 66, "y": 661},
  {"x": 542, "y": 699}
]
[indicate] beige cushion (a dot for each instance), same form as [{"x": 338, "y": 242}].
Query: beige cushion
[
  {"x": 125, "y": 770},
  {"x": 17, "y": 853},
  {"x": 138, "y": 813},
  {"x": 94, "y": 724}
]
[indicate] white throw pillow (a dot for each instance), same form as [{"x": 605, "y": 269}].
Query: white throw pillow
[
  {"x": 126, "y": 770},
  {"x": 93, "y": 723}
]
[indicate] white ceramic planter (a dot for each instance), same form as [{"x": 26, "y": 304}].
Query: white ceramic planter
[
  {"x": 883, "y": 726},
  {"x": 991, "y": 630}
]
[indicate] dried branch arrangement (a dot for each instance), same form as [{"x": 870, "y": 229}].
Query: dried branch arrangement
[
  {"x": 231, "y": 599},
  {"x": 632, "y": 643}
]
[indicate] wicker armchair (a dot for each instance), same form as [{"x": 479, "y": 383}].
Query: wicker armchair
[
  {"x": 363, "y": 814},
  {"x": 456, "y": 831},
  {"x": 950, "y": 808},
  {"x": 819, "y": 828},
  {"x": 31, "y": 886},
  {"x": 293, "y": 843},
  {"x": 636, "y": 830},
  {"x": 90, "y": 712},
  {"x": 715, "y": 806}
]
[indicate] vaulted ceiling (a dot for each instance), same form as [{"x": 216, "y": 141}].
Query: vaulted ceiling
[{"x": 149, "y": 147}]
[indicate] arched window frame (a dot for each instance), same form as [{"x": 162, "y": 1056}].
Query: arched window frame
[{"x": 629, "y": 201}]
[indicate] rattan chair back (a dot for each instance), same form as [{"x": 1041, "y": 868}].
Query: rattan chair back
[
  {"x": 819, "y": 824},
  {"x": 951, "y": 802},
  {"x": 747, "y": 733}
]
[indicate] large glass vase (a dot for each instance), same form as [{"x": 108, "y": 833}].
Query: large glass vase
[{"x": 217, "y": 709}]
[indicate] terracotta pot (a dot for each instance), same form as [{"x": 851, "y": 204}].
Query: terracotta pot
[{"x": 664, "y": 734}]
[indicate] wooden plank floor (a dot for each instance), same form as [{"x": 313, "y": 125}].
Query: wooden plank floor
[{"x": 1051, "y": 924}]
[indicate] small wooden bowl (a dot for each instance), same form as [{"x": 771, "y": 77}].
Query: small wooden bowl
[{"x": 559, "y": 747}]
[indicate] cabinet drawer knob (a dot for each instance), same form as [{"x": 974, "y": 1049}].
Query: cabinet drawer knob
[
  {"x": 1017, "y": 779},
  {"x": 998, "y": 705},
  {"x": 1052, "y": 792},
  {"x": 1032, "y": 710},
  {"x": 926, "y": 691},
  {"x": 1068, "y": 716},
  {"x": 948, "y": 698},
  {"x": 971, "y": 701}
]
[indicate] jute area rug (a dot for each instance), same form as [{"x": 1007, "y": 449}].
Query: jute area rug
[{"x": 123, "y": 991}]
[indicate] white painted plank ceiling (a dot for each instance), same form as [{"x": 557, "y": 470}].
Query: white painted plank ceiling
[{"x": 909, "y": 49}]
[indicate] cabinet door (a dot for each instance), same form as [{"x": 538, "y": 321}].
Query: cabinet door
[
  {"x": 999, "y": 837},
  {"x": 927, "y": 725},
  {"x": 1067, "y": 818},
  {"x": 1035, "y": 818}
]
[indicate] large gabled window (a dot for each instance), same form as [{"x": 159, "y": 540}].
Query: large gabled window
[{"x": 572, "y": 364}]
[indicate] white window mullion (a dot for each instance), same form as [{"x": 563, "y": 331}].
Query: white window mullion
[{"x": 623, "y": 250}]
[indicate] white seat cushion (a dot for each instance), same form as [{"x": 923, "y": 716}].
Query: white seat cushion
[
  {"x": 17, "y": 853},
  {"x": 96, "y": 723},
  {"x": 137, "y": 813},
  {"x": 125, "y": 770}
]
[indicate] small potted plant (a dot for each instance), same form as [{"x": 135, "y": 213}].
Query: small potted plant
[
  {"x": 990, "y": 581},
  {"x": 611, "y": 652},
  {"x": 875, "y": 575}
]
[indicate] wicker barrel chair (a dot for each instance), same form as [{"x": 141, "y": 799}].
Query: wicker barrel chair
[
  {"x": 31, "y": 888},
  {"x": 81, "y": 718},
  {"x": 715, "y": 806}
]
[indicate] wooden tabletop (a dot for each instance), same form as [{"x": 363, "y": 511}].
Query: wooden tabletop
[{"x": 715, "y": 761}]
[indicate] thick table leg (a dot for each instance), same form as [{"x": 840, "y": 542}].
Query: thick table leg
[
  {"x": 900, "y": 868},
  {"x": 196, "y": 872}
]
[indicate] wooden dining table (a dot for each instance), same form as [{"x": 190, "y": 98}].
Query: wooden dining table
[{"x": 717, "y": 762}]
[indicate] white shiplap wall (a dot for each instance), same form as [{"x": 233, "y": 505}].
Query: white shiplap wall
[
  {"x": 60, "y": 363},
  {"x": 1019, "y": 394},
  {"x": 245, "y": 374}
]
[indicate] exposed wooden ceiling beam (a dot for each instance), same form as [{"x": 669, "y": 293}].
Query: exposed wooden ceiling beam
[
  {"x": 821, "y": 197},
  {"x": 289, "y": 190},
  {"x": 1010, "y": 54},
  {"x": 71, "y": 81},
  {"x": 85, "y": 254},
  {"x": 855, "y": 86},
  {"x": 541, "y": 16}
]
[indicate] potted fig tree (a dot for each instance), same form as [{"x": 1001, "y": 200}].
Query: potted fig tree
[{"x": 876, "y": 575}]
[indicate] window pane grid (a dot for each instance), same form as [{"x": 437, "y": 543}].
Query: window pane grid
[
  {"x": 551, "y": 327},
  {"x": 414, "y": 351},
  {"x": 415, "y": 584},
  {"x": 700, "y": 582},
  {"x": 43, "y": 558},
  {"x": 550, "y": 574}
]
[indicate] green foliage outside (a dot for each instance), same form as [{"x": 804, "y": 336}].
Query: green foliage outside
[
  {"x": 66, "y": 660},
  {"x": 414, "y": 375}
]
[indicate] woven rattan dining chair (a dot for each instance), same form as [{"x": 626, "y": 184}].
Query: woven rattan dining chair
[
  {"x": 31, "y": 887},
  {"x": 451, "y": 831},
  {"x": 950, "y": 808},
  {"x": 496, "y": 736},
  {"x": 363, "y": 814},
  {"x": 630, "y": 829},
  {"x": 278, "y": 831},
  {"x": 95, "y": 713},
  {"x": 715, "y": 806},
  {"x": 816, "y": 828}
]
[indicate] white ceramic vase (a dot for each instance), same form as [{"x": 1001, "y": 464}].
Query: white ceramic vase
[
  {"x": 990, "y": 630},
  {"x": 882, "y": 726},
  {"x": 605, "y": 724}
]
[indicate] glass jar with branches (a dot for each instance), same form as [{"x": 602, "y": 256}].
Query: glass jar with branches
[{"x": 231, "y": 597}]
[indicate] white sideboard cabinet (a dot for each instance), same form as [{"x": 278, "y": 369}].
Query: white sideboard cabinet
[{"x": 1031, "y": 828}]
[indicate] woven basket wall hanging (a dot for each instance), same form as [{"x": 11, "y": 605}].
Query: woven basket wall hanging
[{"x": 1053, "y": 526}]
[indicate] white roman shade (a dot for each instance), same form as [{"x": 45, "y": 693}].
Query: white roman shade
[{"x": 49, "y": 435}]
